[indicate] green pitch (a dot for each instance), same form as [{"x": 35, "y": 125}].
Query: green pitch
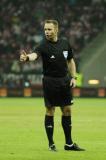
[{"x": 22, "y": 134}]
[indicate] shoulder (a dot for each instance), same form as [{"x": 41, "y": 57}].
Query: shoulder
[
  {"x": 40, "y": 48},
  {"x": 64, "y": 40}
]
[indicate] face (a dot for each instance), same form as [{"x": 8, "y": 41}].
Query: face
[{"x": 50, "y": 31}]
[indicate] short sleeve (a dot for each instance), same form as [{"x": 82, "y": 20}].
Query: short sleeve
[
  {"x": 70, "y": 52},
  {"x": 38, "y": 49}
]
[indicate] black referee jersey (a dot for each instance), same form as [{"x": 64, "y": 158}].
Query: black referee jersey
[
  {"x": 56, "y": 81},
  {"x": 54, "y": 56}
]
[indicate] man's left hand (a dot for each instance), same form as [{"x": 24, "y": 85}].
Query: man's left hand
[{"x": 73, "y": 82}]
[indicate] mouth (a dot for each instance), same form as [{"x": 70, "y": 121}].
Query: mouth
[{"x": 47, "y": 35}]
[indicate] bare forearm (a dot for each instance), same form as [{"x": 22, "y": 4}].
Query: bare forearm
[{"x": 72, "y": 67}]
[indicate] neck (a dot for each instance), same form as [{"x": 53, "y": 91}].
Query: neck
[{"x": 55, "y": 39}]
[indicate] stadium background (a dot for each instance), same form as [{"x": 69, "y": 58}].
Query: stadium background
[
  {"x": 22, "y": 135},
  {"x": 21, "y": 27}
]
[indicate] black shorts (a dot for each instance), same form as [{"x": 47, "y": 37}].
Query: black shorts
[{"x": 57, "y": 91}]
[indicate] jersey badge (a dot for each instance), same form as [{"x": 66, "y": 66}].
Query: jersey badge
[{"x": 65, "y": 53}]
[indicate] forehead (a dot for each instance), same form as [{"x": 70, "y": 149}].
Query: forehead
[{"x": 49, "y": 25}]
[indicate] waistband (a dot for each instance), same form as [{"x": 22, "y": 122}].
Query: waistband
[{"x": 58, "y": 78}]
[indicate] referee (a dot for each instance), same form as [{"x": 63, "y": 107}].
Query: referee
[{"x": 58, "y": 65}]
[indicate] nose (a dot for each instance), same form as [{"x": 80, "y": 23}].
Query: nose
[{"x": 46, "y": 32}]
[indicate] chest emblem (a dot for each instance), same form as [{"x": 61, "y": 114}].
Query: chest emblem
[
  {"x": 52, "y": 57},
  {"x": 65, "y": 53}
]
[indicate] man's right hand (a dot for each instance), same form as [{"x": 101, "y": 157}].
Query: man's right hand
[{"x": 23, "y": 56}]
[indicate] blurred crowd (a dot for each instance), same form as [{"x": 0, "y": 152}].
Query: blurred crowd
[{"x": 21, "y": 27}]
